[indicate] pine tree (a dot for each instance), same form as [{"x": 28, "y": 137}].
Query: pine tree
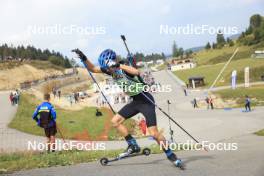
[
  {"x": 208, "y": 46},
  {"x": 174, "y": 50}
]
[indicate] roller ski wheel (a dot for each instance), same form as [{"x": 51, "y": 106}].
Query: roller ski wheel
[
  {"x": 121, "y": 156},
  {"x": 146, "y": 151},
  {"x": 104, "y": 161}
]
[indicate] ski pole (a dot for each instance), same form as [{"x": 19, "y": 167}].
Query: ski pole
[
  {"x": 60, "y": 133},
  {"x": 129, "y": 53},
  {"x": 124, "y": 40},
  {"x": 166, "y": 114},
  {"x": 94, "y": 80},
  {"x": 169, "y": 116}
]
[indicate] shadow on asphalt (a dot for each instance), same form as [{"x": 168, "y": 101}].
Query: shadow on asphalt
[
  {"x": 137, "y": 163},
  {"x": 158, "y": 161},
  {"x": 195, "y": 158}
]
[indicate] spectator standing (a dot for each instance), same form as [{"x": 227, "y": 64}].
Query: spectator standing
[
  {"x": 185, "y": 92},
  {"x": 54, "y": 92},
  {"x": 207, "y": 102},
  {"x": 195, "y": 103},
  {"x": 247, "y": 103},
  {"x": 59, "y": 93},
  {"x": 11, "y": 98},
  {"x": 211, "y": 103},
  {"x": 75, "y": 97},
  {"x": 18, "y": 95}
]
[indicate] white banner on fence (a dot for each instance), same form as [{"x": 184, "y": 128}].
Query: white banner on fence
[
  {"x": 247, "y": 77},
  {"x": 233, "y": 82}
]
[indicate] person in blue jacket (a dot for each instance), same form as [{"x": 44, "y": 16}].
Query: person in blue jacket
[
  {"x": 247, "y": 104},
  {"x": 45, "y": 116}
]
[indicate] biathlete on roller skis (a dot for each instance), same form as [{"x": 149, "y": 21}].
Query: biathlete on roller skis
[{"x": 127, "y": 77}]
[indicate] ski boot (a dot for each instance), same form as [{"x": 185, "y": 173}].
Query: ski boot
[
  {"x": 131, "y": 149},
  {"x": 176, "y": 161}
]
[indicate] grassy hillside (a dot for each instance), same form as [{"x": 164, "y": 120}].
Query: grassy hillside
[
  {"x": 210, "y": 72},
  {"x": 209, "y": 64},
  {"x": 238, "y": 95},
  {"x": 80, "y": 125},
  {"x": 214, "y": 56},
  {"x": 35, "y": 63}
]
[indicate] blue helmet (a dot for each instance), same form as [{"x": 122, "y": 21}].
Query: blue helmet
[{"x": 105, "y": 57}]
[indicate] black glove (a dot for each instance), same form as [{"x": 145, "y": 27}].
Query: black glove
[{"x": 80, "y": 54}]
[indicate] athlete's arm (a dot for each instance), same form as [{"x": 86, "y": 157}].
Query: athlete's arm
[
  {"x": 92, "y": 67},
  {"x": 130, "y": 70},
  {"x": 89, "y": 64},
  {"x": 53, "y": 113}
]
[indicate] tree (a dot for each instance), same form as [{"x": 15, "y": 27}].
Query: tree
[
  {"x": 255, "y": 32},
  {"x": 214, "y": 45},
  {"x": 180, "y": 52},
  {"x": 163, "y": 55},
  {"x": 230, "y": 42},
  {"x": 188, "y": 53},
  {"x": 255, "y": 21},
  {"x": 67, "y": 63},
  {"x": 220, "y": 39},
  {"x": 174, "y": 50},
  {"x": 56, "y": 60},
  {"x": 208, "y": 46}
]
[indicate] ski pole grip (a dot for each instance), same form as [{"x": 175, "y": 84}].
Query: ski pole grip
[{"x": 123, "y": 37}]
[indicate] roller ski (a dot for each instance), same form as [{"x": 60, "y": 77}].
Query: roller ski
[
  {"x": 131, "y": 151},
  {"x": 176, "y": 161}
]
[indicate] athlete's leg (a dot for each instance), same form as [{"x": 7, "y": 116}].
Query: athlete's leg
[
  {"x": 126, "y": 112},
  {"x": 48, "y": 143},
  {"x": 117, "y": 121},
  {"x": 52, "y": 143},
  {"x": 158, "y": 136},
  {"x": 153, "y": 131}
]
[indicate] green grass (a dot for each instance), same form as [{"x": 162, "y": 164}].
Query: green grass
[
  {"x": 203, "y": 57},
  {"x": 255, "y": 93},
  {"x": 255, "y": 74},
  {"x": 30, "y": 160},
  {"x": 210, "y": 62},
  {"x": 82, "y": 124},
  {"x": 214, "y": 56},
  {"x": 210, "y": 72}
]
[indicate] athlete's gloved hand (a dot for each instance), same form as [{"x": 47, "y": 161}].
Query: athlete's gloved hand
[{"x": 80, "y": 54}]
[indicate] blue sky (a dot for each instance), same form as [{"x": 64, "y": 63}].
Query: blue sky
[{"x": 139, "y": 20}]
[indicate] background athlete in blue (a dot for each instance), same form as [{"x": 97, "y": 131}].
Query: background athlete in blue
[{"x": 45, "y": 116}]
